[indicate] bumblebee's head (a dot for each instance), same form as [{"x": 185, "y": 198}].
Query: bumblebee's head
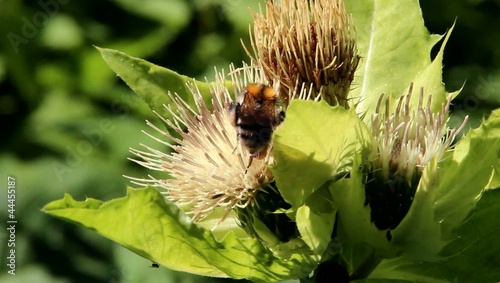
[{"x": 260, "y": 93}]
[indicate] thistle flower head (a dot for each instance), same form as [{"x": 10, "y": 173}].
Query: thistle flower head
[
  {"x": 408, "y": 139},
  {"x": 405, "y": 141},
  {"x": 299, "y": 42},
  {"x": 208, "y": 167}
]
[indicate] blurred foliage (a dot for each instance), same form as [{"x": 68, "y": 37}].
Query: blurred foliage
[
  {"x": 472, "y": 57},
  {"x": 64, "y": 114}
]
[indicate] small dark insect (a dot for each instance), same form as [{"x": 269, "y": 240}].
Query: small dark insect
[
  {"x": 154, "y": 265},
  {"x": 256, "y": 114}
]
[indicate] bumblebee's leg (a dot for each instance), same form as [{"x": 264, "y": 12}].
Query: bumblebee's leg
[
  {"x": 237, "y": 142},
  {"x": 249, "y": 163}
]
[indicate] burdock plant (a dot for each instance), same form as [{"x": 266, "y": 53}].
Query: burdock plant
[{"x": 366, "y": 179}]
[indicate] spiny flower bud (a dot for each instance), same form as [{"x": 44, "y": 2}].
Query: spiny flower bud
[
  {"x": 404, "y": 143},
  {"x": 311, "y": 43}
]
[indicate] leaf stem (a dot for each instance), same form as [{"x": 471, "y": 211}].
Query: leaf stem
[{"x": 366, "y": 267}]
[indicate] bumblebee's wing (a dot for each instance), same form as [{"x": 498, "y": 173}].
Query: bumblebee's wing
[{"x": 233, "y": 110}]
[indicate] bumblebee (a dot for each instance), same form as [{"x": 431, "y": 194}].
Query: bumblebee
[{"x": 256, "y": 113}]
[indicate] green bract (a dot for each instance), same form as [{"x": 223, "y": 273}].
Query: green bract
[
  {"x": 450, "y": 231},
  {"x": 310, "y": 153}
]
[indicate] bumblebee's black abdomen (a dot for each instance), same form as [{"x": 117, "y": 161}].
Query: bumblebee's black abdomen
[
  {"x": 256, "y": 113},
  {"x": 257, "y": 119},
  {"x": 251, "y": 127},
  {"x": 254, "y": 137}
]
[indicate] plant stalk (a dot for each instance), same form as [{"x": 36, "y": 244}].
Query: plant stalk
[{"x": 366, "y": 267}]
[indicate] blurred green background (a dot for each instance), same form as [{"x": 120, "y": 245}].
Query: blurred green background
[{"x": 68, "y": 121}]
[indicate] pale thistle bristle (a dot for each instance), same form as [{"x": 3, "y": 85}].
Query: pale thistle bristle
[
  {"x": 208, "y": 167},
  {"x": 409, "y": 138}
]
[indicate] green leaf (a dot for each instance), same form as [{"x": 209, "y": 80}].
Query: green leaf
[
  {"x": 315, "y": 220},
  {"x": 354, "y": 226},
  {"x": 314, "y": 143},
  {"x": 463, "y": 176},
  {"x": 403, "y": 268},
  {"x": 152, "y": 82},
  {"x": 145, "y": 223},
  {"x": 395, "y": 48},
  {"x": 493, "y": 123},
  {"x": 471, "y": 257}
]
